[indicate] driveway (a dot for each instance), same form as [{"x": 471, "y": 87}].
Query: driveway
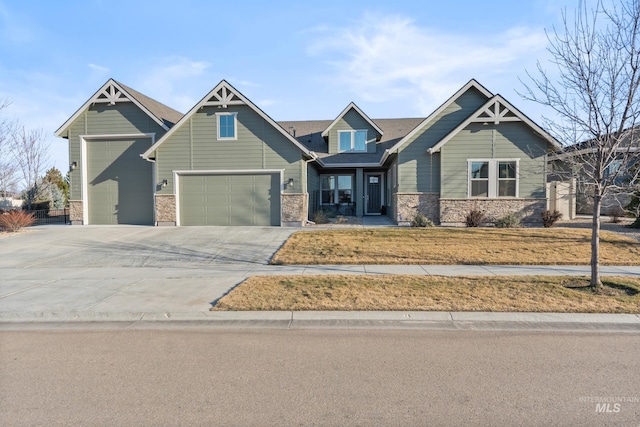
[{"x": 129, "y": 268}]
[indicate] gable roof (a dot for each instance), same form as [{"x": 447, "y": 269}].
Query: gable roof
[
  {"x": 351, "y": 106},
  {"x": 496, "y": 110},
  {"x": 222, "y": 95},
  {"x": 470, "y": 84},
  {"x": 113, "y": 92}
]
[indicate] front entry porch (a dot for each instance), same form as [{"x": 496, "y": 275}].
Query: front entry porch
[{"x": 351, "y": 192}]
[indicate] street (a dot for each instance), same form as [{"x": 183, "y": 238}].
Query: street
[{"x": 247, "y": 377}]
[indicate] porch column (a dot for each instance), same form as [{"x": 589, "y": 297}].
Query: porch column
[{"x": 359, "y": 192}]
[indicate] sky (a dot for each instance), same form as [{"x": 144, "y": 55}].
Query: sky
[{"x": 296, "y": 60}]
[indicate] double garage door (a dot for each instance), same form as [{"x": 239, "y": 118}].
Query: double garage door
[
  {"x": 229, "y": 199},
  {"x": 119, "y": 182}
]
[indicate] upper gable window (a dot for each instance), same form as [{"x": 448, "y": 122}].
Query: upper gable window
[
  {"x": 227, "y": 125},
  {"x": 352, "y": 140}
]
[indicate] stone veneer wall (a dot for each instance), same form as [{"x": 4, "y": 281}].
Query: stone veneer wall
[
  {"x": 76, "y": 212},
  {"x": 165, "y": 209},
  {"x": 454, "y": 211},
  {"x": 407, "y": 205},
  {"x": 294, "y": 208}
]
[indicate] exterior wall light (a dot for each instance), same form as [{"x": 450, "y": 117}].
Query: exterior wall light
[
  {"x": 73, "y": 166},
  {"x": 290, "y": 182},
  {"x": 164, "y": 183}
]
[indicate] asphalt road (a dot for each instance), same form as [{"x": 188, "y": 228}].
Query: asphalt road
[{"x": 249, "y": 377}]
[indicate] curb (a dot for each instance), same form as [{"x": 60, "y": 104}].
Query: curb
[{"x": 327, "y": 320}]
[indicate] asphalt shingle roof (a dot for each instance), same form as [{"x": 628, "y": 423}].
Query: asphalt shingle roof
[
  {"x": 309, "y": 134},
  {"x": 167, "y": 114}
]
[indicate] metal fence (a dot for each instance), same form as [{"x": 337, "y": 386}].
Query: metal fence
[{"x": 51, "y": 216}]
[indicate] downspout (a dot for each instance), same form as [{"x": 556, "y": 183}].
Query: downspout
[{"x": 154, "y": 179}]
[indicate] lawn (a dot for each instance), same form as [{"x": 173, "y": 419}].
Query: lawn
[
  {"x": 434, "y": 293},
  {"x": 440, "y": 245}
]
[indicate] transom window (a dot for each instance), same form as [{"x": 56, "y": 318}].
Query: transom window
[
  {"x": 336, "y": 189},
  {"x": 352, "y": 140},
  {"x": 227, "y": 125},
  {"x": 493, "y": 178}
]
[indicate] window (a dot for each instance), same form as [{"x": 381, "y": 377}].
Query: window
[
  {"x": 227, "y": 126},
  {"x": 352, "y": 140},
  {"x": 493, "y": 178},
  {"x": 336, "y": 189},
  {"x": 479, "y": 179}
]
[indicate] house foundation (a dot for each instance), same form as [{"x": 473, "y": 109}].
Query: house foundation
[
  {"x": 408, "y": 205},
  {"x": 455, "y": 211}
]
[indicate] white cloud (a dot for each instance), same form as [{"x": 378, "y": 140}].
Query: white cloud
[
  {"x": 99, "y": 69},
  {"x": 171, "y": 81},
  {"x": 382, "y": 58}
]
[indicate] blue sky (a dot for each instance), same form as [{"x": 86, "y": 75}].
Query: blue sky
[{"x": 296, "y": 60}]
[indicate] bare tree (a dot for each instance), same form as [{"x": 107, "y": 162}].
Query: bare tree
[
  {"x": 31, "y": 154},
  {"x": 595, "y": 98},
  {"x": 8, "y": 167}
]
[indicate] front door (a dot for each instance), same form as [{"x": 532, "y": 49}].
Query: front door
[{"x": 374, "y": 194}]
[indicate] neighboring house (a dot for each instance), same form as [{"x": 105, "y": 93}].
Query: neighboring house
[
  {"x": 226, "y": 162},
  {"x": 565, "y": 169}
]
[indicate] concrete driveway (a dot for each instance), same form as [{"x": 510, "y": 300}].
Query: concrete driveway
[{"x": 129, "y": 268}]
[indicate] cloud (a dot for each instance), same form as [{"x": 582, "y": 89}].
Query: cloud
[
  {"x": 99, "y": 68},
  {"x": 170, "y": 81},
  {"x": 389, "y": 57}
]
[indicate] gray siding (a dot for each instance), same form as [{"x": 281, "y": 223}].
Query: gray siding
[
  {"x": 100, "y": 119},
  {"x": 259, "y": 146},
  {"x": 352, "y": 121},
  {"x": 513, "y": 140},
  {"x": 313, "y": 188},
  {"x": 417, "y": 170}
]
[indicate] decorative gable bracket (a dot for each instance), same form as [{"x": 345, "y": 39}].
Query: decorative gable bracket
[
  {"x": 110, "y": 95},
  {"x": 496, "y": 112},
  {"x": 223, "y": 98}
]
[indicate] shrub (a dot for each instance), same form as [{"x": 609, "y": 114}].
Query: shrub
[
  {"x": 15, "y": 220},
  {"x": 616, "y": 214},
  {"x": 510, "y": 221},
  {"x": 475, "y": 218},
  {"x": 421, "y": 221},
  {"x": 320, "y": 217},
  {"x": 549, "y": 218},
  {"x": 635, "y": 224}
]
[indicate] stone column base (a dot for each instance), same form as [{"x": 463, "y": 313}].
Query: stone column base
[
  {"x": 165, "y": 209},
  {"x": 76, "y": 211},
  {"x": 294, "y": 209}
]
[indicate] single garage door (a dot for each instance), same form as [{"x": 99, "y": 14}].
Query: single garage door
[
  {"x": 230, "y": 199},
  {"x": 119, "y": 182}
]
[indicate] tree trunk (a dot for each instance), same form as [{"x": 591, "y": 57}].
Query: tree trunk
[{"x": 595, "y": 242}]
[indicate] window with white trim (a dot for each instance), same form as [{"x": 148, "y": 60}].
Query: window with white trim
[
  {"x": 227, "y": 125},
  {"x": 352, "y": 140},
  {"x": 493, "y": 178},
  {"x": 336, "y": 189}
]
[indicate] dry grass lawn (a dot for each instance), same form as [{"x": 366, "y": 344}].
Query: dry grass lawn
[
  {"x": 433, "y": 293},
  {"x": 515, "y": 246}
]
